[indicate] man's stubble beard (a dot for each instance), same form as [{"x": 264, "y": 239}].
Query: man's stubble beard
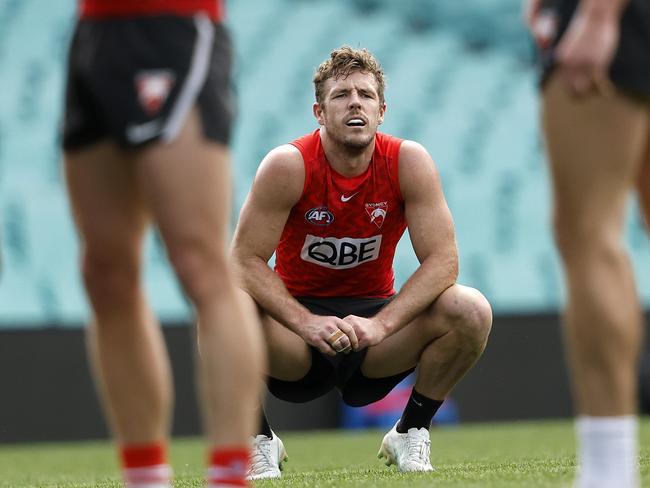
[{"x": 355, "y": 145}]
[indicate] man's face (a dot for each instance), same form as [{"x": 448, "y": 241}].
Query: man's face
[{"x": 351, "y": 110}]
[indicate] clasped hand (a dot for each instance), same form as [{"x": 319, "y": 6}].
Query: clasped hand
[{"x": 332, "y": 335}]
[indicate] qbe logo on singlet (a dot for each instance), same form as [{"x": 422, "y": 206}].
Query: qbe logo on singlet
[{"x": 343, "y": 253}]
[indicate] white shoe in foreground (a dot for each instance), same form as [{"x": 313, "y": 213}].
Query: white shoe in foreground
[
  {"x": 267, "y": 457},
  {"x": 409, "y": 451},
  {"x": 584, "y": 482}
]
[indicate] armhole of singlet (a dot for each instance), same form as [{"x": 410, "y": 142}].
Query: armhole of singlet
[
  {"x": 306, "y": 164},
  {"x": 393, "y": 165}
]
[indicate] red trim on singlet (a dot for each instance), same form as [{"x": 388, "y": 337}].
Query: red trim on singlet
[{"x": 215, "y": 9}]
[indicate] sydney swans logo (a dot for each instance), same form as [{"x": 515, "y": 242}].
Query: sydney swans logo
[{"x": 377, "y": 212}]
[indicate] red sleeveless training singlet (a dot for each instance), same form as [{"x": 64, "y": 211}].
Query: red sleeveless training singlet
[{"x": 340, "y": 238}]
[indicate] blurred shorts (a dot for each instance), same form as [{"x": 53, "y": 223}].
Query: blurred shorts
[
  {"x": 135, "y": 80},
  {"x": 630, "y": 69},
  {"x": 342, "y": 371}
]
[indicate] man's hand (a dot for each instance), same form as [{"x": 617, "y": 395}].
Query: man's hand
[
  {"x": 369, "y": 332},
  {"x": 586, "y": 51},
  {"x": 542, "y": 23},
  {"x": 330, "y": 335}
]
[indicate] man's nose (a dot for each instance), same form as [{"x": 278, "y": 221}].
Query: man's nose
[{"x": 354, "y": 100}]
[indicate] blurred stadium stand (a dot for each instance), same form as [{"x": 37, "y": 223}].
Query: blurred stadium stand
[{"x": 461, "y": 81}]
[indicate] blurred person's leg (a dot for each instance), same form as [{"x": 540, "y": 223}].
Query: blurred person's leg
[
  {"x": 643, "y": 186},
  {"x": 125, "y": 344},
  {"x": 188, "y": 184},
  {"x": 289, "y": 359},
  {"x": 595, "y": 147}
]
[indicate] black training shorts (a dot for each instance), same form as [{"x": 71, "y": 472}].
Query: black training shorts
[
  {"x": 630, "y": 69},
  {"x": 342, "y": 371},
  {"x": 135, "y": 80}
]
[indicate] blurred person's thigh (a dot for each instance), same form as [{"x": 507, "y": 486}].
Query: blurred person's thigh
[
  {"x": 107, "y": 203},
  {"x": 595, "y": 146}
]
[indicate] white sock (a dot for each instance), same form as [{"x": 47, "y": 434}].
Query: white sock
[
  {"x": 607, "y": 452},
  {"x": 148, "y": 477}
]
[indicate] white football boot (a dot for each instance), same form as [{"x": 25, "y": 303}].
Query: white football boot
[
  {"x": 267, "y": 457},
  {"x": 409, "y": 451}
]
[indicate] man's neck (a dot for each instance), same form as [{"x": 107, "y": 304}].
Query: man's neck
[{"x": 344, "y": 160}]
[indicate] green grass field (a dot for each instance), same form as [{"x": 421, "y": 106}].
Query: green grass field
[{"x": 522, "y": 454}]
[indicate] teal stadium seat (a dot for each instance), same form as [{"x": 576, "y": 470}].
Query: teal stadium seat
[{"x": 461, "y": 81}]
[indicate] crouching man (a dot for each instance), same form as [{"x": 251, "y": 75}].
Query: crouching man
[{"x": 333, "y": 205}]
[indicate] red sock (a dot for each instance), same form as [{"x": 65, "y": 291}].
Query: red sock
[
  {"x": 145, "y": 464},
  {"x": 228, "y": 466}
]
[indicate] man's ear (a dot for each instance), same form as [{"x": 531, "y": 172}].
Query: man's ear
[
  {"x": 382, "y": 113},
  {"x": 318, "y": 113}
]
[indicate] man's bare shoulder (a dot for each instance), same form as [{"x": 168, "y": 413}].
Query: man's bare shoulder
[
  {"x": 282, "y": 173},
  {"x": 413, "y": 153},
  {"x": 284, "y": 161},
  {"x": 417, "y": 171}
]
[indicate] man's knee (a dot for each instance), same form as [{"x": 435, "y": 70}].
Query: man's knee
[
  {"x": 583, "y": 244},
  {"x": 583, "y": 234},
  {"x": 201, "y": 269},
  {"x": 466, "y": 312},
  {"x": 569, "y": 236},
  {"x": 111, "y": 276}
]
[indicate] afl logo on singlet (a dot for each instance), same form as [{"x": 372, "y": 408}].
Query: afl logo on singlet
[{"x": 319, "y": 216}]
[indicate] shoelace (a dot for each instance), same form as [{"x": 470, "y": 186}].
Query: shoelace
[
  {"x": 419, "y": 447},
  {"x": 261, "y": 456}
]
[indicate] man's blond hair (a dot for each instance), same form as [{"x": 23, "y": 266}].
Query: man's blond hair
[{"x": 344, "y": 61}]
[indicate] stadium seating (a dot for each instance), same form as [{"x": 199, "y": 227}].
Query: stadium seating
[{"x": 460, "y": 80}]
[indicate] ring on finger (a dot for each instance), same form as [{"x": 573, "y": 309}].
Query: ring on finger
[
  {"x": 346, "y": 349},
  {"x": 335, "y": 336},
  {"x": 335, "y": 340}
]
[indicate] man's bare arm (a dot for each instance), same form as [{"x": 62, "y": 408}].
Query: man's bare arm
[
  {"x": 432, "y": 234},
  {"x": 588, "y": 46},
  {"x": 431, "y": 230},
  {"x": 277, "y": 188},
  {"x": 603, "y": 7}
]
